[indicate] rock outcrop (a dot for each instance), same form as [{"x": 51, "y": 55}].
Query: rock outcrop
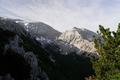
[{"x": 80, "y": 38}]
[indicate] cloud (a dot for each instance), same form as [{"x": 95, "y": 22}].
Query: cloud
[{"x": 65, "y": 14}]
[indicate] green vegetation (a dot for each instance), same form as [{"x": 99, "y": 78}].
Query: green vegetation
[{"x": 108, "y": 65}]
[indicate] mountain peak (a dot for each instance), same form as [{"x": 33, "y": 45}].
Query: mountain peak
[
  {"x": 80, "y": 38},
  {"x": 75, "y": 28},
  {"x": 80, "y": 29},
  {"x": 82, "y": 32}
]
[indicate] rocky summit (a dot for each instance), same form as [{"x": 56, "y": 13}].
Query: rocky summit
[{"x": 80, "y": 38}]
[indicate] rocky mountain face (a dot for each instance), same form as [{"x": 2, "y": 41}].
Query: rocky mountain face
[
  {"x": 49, "y": 36},
  {"x": 24, "y": 57},
  {"x": 80, "y": 38}
]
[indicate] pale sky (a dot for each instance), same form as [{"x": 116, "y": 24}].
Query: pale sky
[{"x": 65, "y": 14}]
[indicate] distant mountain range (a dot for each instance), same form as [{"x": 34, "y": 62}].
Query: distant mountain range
[{"x": 43, "y": 52}]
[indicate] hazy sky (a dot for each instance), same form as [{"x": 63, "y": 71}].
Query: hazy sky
[{"x": 65, "y": 14}]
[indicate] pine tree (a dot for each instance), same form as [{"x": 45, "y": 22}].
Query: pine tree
[{"x": 108, "y": 47}]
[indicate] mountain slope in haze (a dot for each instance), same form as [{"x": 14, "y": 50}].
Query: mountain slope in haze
[
  {"x": 39, "y": 29},
  {"x": 22, "y": 57},
  {"x": 80, "y": 38}
]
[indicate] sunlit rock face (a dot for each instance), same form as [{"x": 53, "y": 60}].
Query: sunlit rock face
[{"x": 80, "y": 38}]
